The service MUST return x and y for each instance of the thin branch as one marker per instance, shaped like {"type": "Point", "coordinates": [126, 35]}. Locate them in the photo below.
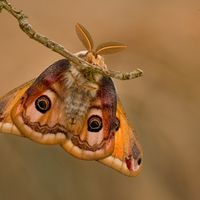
{"type": "Point", "coordinates": [27, 28]}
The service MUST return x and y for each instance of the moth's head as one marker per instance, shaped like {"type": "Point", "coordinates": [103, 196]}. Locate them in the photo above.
{"type": "Point", "coordinates": [94, 56]}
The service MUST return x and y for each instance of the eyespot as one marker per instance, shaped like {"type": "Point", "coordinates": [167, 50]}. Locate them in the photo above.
{"type": "Point", "coordinates": [139, 161]}
{"type": "Point", "coordinates": [43, 104]}
{"type": "Point", "coordinates": [117, 124]}
{"type": "Point", "coordinates": [95, 123]}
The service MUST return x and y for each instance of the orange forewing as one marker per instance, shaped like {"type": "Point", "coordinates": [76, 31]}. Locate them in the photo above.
{"type": "Point", "coordinates": [127, 155]}
{"type": "Point", "coordinates": [6, 104]}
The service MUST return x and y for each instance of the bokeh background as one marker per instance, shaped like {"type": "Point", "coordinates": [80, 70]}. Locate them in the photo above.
{"type": "Point", "coordinates": [163, 39]}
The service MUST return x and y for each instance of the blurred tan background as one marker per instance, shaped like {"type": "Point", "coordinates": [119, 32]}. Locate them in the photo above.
{"type": "Point", "coordinates": [163, 39]}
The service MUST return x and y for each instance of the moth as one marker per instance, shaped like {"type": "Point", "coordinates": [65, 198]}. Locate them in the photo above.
{"type": "Point", "coordinates": [83, 115]}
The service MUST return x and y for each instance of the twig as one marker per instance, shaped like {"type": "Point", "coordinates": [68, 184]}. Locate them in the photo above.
{"type": "Point", "coordinates": [27, 28]}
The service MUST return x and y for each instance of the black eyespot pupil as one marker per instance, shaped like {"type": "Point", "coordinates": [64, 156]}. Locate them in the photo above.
{"type": "Point", "coordinates": [139, 161]}
{"type": "Point", "coordinates": [117, 124]}
{"type": "Point", "coordinates": [95, 123]}
{"type": "Point", "coordinates": [43, 103]}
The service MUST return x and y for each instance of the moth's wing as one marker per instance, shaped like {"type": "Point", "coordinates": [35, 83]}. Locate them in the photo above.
{"type": "Point", "coordinates": [43, 114]}
{"type": "Point", "coordinates": [6, 105]}
{"type": "Point", "coordinates": [39, 112]}
{"type": "Point", "coordinates": [97, 136]}
{"type": "Point", "coordinates": [127, 157]}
